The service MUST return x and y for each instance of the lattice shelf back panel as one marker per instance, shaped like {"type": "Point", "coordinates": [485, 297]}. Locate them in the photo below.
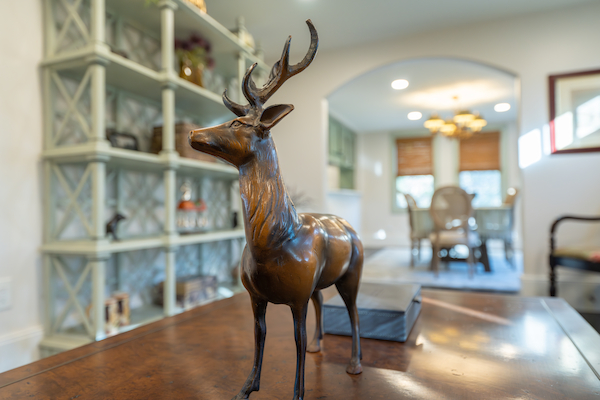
{"type": "Point", "coordinates": [71, 31]}
{"type": "Point", "coordinates": [210, 259]}
{"type": "Point", "coordinates": [133, 114]}
{"type": "Point", "coordinates": [70, 282]}
{"type": "Point", "coordinates": [137, 273]}
{"type": "Point", "coordinates": [71, 211]}
{"type": "Point", "coordinates": [71, 27]}
{"type": "Point", "coordinates": [71, 108]}
{"type": "Point", "coordinates": [128, 40]}
{"type": "Point", "coordinates": [71, 104]}
{"type": "Point", "coordinates": [139, 196]}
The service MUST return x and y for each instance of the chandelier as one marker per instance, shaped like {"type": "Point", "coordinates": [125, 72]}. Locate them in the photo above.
{"type": "Point", "coordinates": [462, 126]}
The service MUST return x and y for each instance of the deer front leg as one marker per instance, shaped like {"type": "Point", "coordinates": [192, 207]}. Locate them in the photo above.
{"type": "Point", "coordinates": [299, 314]}
{"type": "Point", "coordinates": [315, 345]}
{"type": "Point", "coordinates": [259, 306]}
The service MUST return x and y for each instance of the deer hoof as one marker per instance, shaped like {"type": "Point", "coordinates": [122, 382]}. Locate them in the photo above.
{"type": "Point", "coordinates": [354, 369]}
{"type": "Point", "coordinates": [314, 347]}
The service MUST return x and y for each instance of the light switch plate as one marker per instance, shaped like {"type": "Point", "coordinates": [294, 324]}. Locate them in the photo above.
{"type": "Point", "coordinates": [5, 294]}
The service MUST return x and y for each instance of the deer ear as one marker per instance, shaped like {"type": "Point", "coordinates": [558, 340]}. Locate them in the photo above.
{"type": "Point", "coordinates": [272, 115]}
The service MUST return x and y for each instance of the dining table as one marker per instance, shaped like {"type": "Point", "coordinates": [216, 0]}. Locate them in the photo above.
{"type": "Point", "coordinates": [489, 223]}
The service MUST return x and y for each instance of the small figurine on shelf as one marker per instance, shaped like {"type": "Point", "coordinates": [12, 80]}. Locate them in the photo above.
{"type": "Point", "coordinates": [111, 226]}
{"type": "Point", "coordinates": [111, 315]}
{"type": "Point", "coordinates": [186, 210]}
{"type": "Point", "coordinates": [194, 57]}
{"type": "Point", "coordinates": [191, 216]}
{"type": "Point", "coordinates": [123, 311]}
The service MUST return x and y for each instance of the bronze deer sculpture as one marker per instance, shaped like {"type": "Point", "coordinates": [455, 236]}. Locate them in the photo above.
{"type": "Point", "coordinates": [289, 257]}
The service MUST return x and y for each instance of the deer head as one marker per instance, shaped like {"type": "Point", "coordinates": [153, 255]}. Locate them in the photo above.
{"type": "Point", "coordinates": [236, 141]}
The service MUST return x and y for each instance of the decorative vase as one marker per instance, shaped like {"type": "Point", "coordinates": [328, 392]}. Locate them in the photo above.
{"type": "Point", "coordinates": [191, 69]}
{"type": "Point", "coordinates": [198, 73]}
{"type": "Point", "coordinates": [186, 67]}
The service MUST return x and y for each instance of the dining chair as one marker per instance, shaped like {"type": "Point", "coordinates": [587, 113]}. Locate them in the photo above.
{"type": "Point", "coordinates": [452, 215]}
{"type": "Point", "coordinates": [498, 223]}
{"type": "Point", "coordinates": [420, 229]}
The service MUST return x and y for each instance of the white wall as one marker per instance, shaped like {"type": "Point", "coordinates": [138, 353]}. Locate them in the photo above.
{"type": "Point", "coordinates": [530, 46]}
{"type": "Point", "coordinates": [20, 199]}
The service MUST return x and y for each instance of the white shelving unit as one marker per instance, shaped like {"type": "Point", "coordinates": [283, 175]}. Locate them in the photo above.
{"type": "Point", "coordinates": [88, 87]}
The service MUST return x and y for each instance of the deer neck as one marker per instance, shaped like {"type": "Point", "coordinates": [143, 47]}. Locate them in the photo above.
{"type": "Point", "coordinates": [270, 217]}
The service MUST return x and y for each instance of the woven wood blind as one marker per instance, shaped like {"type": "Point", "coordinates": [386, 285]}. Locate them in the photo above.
{"type": "Point", "coordinates": [414, 156]}
{"type": "Point", "coordinates": [481, 152]}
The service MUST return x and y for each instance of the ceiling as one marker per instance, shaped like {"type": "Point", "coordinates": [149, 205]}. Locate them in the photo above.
{"type": "Point", "coordinates": [369, 103]}
{"type": "Point", "coordinates": [344, 23]}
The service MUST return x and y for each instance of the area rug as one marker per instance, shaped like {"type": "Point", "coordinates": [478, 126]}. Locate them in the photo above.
{"type": "Point", "coordinates": [393, 265]}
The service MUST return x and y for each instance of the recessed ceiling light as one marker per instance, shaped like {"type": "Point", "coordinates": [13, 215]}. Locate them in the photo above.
{"type": "Point", "coordinates": [502, 107]}
{"type": "Point", "coordinates": [414, 115]}
{"type": "Point", "coordinates": [400, 84]}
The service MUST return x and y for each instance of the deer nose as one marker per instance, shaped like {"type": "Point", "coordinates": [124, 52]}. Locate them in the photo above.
{"type": "Point", "coordinates": [192, 137]}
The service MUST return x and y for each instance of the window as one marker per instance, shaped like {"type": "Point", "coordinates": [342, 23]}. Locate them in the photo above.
{"type": "Point", "coordinates": [486, 184]}
{"type": "Point", "coordinates": [414, 171]}
{"type": "Point", "coordinates": [480, 169]}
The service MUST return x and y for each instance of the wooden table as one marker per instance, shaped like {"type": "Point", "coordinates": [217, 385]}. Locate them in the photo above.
{"type": "Point", "coordinates": [463, 346]}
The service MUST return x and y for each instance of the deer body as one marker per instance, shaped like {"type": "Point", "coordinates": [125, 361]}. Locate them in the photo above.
{"type": "Point", "coordinates": [289, 257]}
{"type": "Point", "coordinates": [285, 247]}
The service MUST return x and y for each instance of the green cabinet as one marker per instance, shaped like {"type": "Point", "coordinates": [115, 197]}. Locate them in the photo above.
{"type": "Point", "coordinates": [341, 151]}
{"type": "Point", "coordinates": [335, 142]}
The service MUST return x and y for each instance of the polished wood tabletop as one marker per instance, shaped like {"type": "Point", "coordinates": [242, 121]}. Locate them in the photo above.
{"type": "Point", "coordinates": [463, 346]}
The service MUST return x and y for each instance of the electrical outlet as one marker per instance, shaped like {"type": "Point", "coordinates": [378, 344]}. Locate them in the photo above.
{"type": "Point", "coordinates": [5, 294]}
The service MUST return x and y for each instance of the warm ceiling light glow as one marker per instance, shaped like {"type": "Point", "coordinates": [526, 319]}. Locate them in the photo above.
{"type": "Point", "coordinates": [400, 84]}
{"type": "Point", "coordinates": [502, 107]}
{"type": "Point", "coordinates": [434, 123]}
{"type": "Point", "coordinates": [414, 115]}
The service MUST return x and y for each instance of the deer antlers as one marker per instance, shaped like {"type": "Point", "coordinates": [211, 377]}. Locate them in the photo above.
{"type": "Point", "coordinates": [280, 72]}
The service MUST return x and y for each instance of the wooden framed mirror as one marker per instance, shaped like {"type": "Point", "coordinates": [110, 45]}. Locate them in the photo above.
{"type": "Point", "coordinates": [575, 112]}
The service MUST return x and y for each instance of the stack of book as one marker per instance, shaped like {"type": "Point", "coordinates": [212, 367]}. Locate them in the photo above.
{"type": "Point", "coordinates": [386, 311]}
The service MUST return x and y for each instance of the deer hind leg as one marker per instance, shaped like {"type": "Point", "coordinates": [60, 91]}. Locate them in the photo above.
{"type": "Point", "coordinates": [315, 345]}
{"type": "Point", "coordinates": [252, 384]}
{"type": "Point", "coordinates": [348, 289]}
{"type": "Point", "coordinates": [299, 314]}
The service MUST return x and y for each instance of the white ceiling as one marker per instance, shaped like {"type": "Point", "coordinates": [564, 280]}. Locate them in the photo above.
{"type": "Point", "coordinates": [368, 103]}
{"type": "Point", "coordinates": [343, 23]}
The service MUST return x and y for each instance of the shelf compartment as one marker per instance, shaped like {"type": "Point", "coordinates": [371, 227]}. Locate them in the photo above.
{"type": "Point", "coordinates": [194, 99]}
{"type": "Point", "coordinates": [140, 316]}
{"type": "Point", "coordinates": [142, 81]}
{"type": "Point", "coordinates": [188, 19]}
{"type": "Point", "coordinates": [226, 45]}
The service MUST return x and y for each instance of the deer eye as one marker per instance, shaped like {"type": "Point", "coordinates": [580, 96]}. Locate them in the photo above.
{"type": "Point", "coordinates": [236, 124]}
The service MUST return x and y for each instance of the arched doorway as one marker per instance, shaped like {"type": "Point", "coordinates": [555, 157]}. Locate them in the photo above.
{"type": "Point", "coordinates": [382, 118]}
